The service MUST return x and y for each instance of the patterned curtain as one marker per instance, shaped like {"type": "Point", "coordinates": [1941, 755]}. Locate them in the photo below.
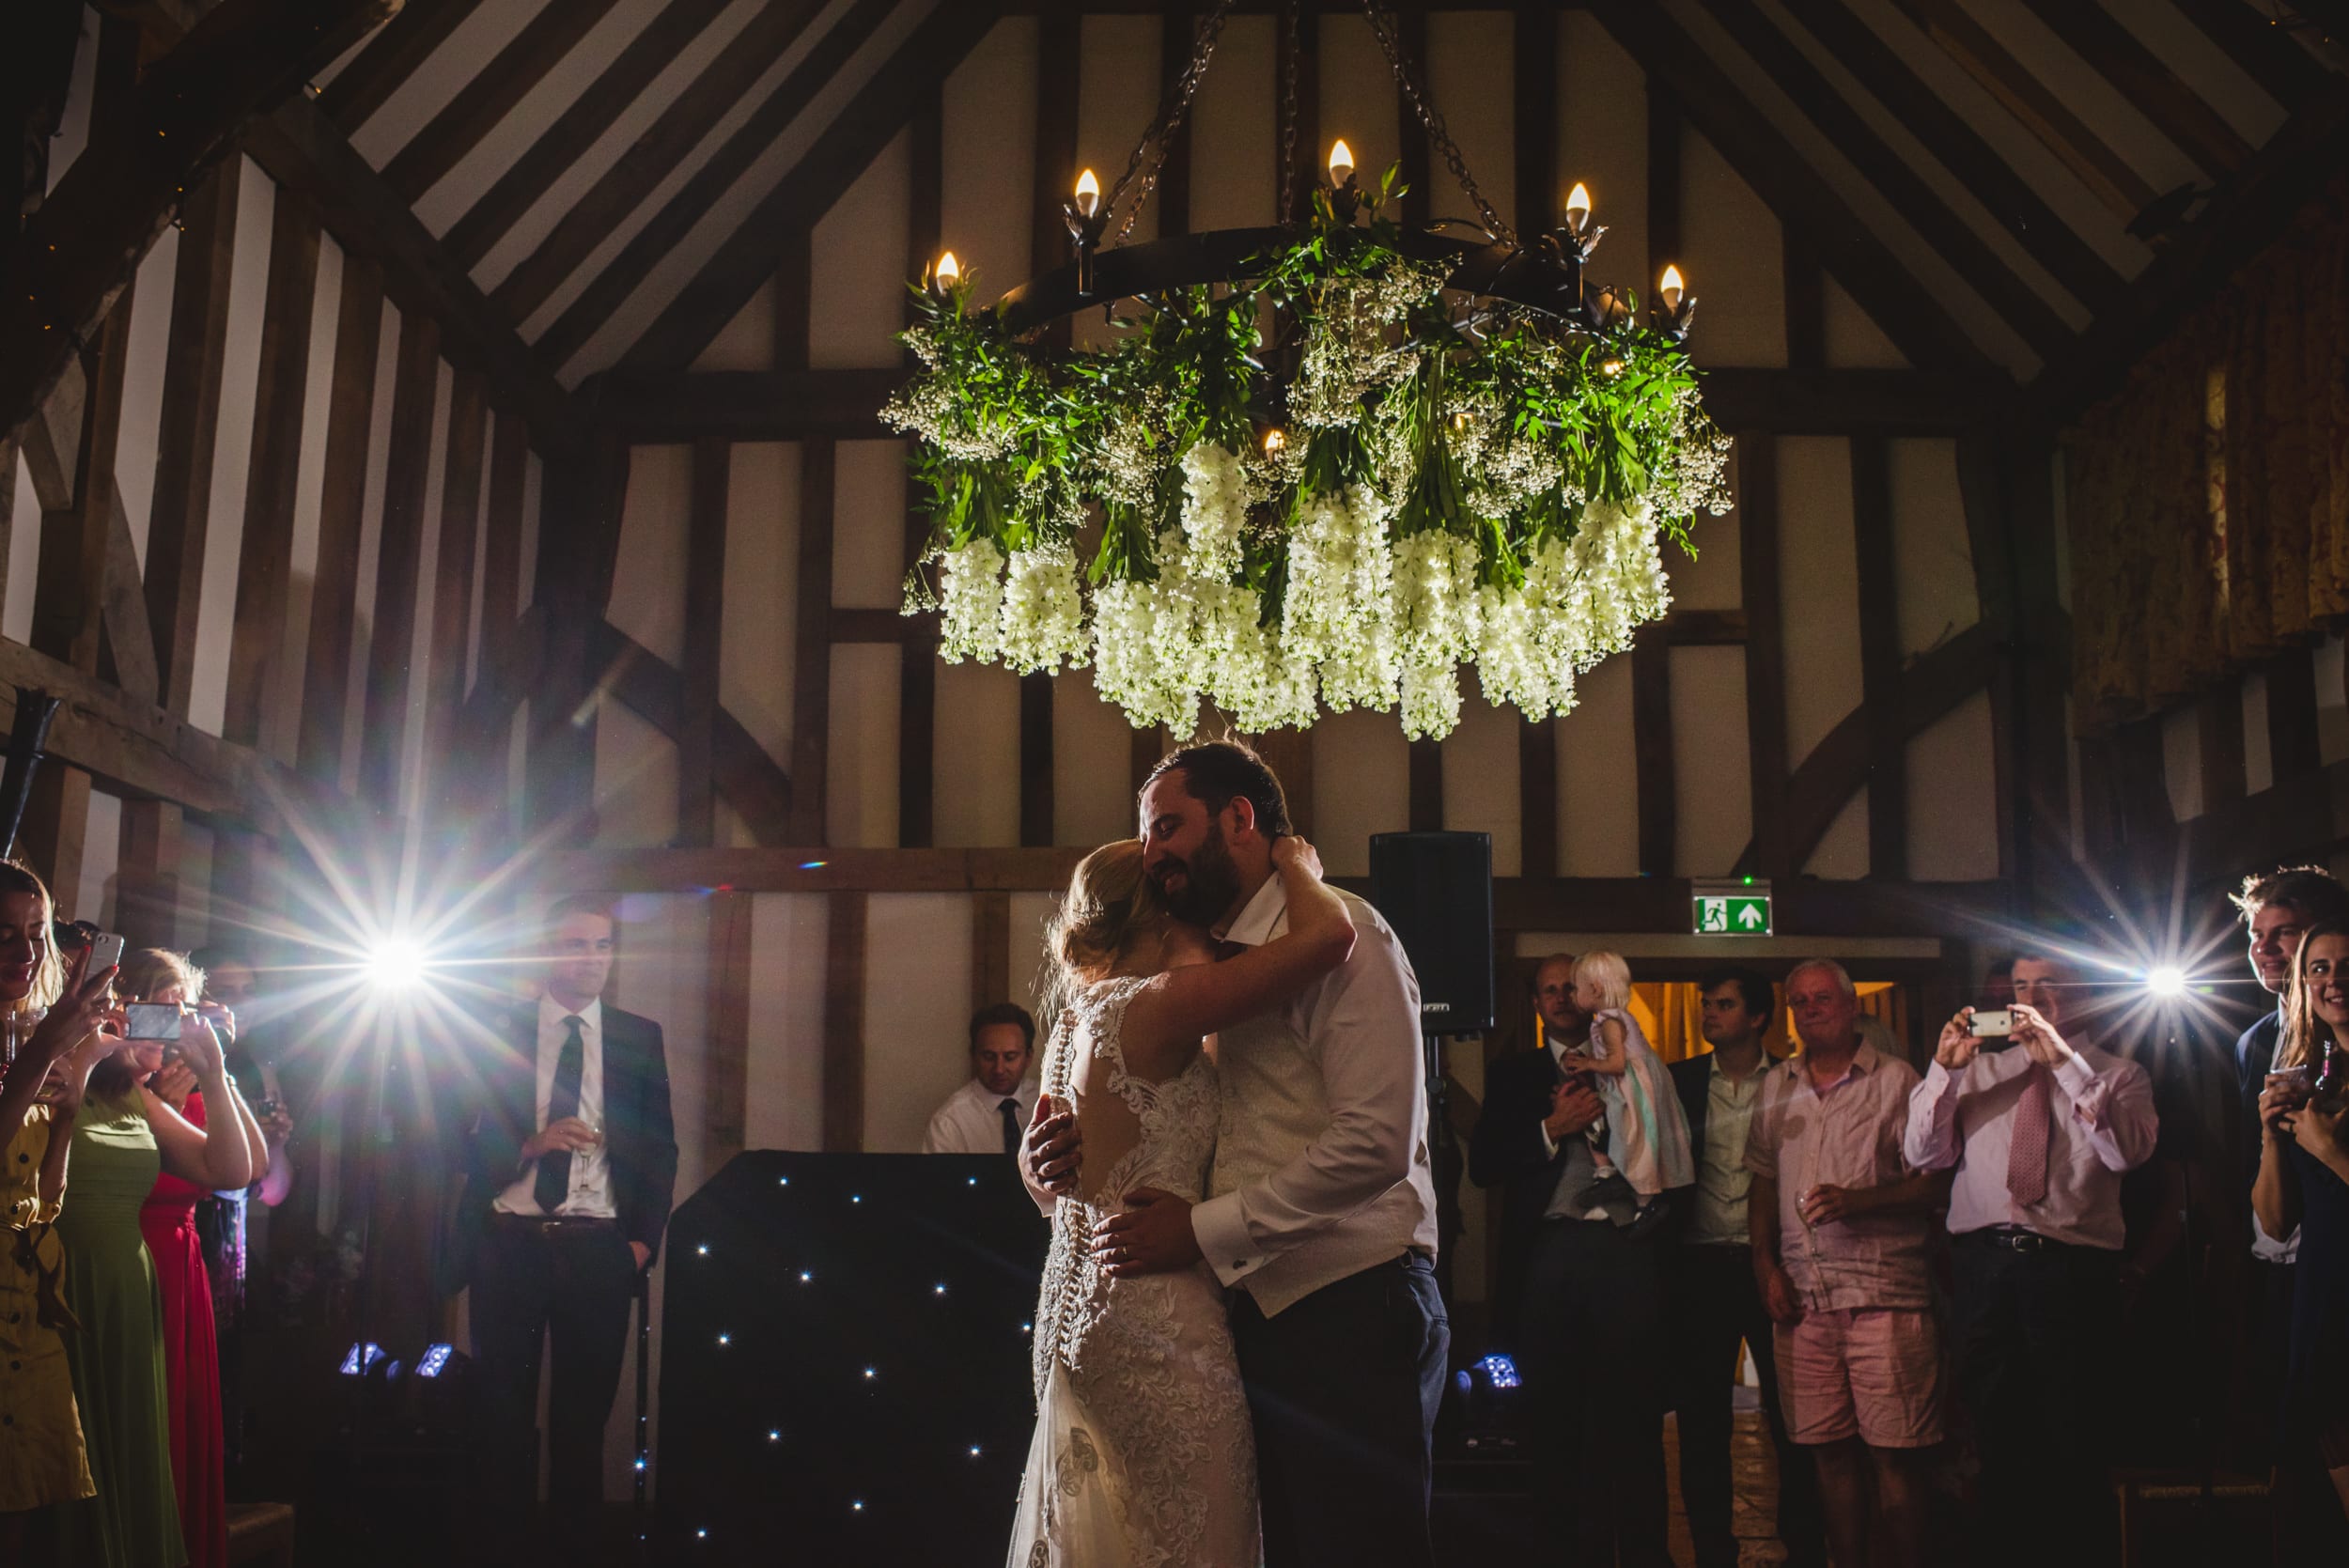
{"type": "Point", "coordinates": [2209, 497]}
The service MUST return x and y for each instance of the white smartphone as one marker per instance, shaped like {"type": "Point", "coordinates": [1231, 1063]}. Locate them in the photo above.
{"type": "Point", "coordinates": [105, 952]}
{"type": "Point", "coordinates": [1993, 1023]}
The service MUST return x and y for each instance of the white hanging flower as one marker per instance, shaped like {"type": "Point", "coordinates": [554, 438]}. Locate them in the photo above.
{"type": "Point", "coordinates": [972, 587]}
{"type": "Point", "coordinates": [1283, 697]}
{"type": "Point", "coordinates": [1510, 663]}
{"type": "Point", "coordinates": [1215, 509]}
{"type": "Point", "coordinates": [1431, 701]}
{"type": "Point", "coordinates": [1435, 598]}
{"type": "Point", "coordinates": [1338, 613]}
{"type": "Point", "coordinates": [1043, 616]}
{"type": "Point", "coordinates": [1125, 668]}
{"type": "Point", "coordinates": [1622, 570]}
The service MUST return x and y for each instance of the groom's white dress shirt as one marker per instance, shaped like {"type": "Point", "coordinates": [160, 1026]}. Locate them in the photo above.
{"type": "Point", "coordinates": [1321, 1166]}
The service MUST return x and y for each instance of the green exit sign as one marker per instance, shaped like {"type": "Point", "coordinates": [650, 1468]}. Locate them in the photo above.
{"type": "Point", "coordinates": [1733, 910]}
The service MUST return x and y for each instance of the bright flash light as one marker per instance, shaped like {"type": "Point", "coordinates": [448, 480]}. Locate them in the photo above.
{"type": "Point", "coordinates": [1341, 162]}
{"type": "Point", "coordinates": [2167, 980]}
{"type": "Point", "coordinates": [396, 964]}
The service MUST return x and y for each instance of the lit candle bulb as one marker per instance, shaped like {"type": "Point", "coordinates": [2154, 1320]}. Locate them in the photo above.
{"type": "Point", "coordinates": [1577, 207]}
{"type": "Point", "coordinates": [1341, 162]}
{"type": "Point", "coordinates": [1273, 441]}
{"type": "Point", "coordinates": [1671, 288]}
{"type": "Point", "coordinates": [948, 272]}
{"type": "Point", "coordinates": [1088, 194]}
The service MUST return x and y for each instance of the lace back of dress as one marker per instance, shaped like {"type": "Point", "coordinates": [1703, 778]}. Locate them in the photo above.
{"type": "Point", "coordinates": [1090, 1074]}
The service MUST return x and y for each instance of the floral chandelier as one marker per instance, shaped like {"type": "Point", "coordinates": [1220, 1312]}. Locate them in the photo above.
{"type": "Point", "coordinates": [1319, 465]}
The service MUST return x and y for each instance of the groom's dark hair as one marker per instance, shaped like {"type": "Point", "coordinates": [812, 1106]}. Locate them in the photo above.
{"type": "Point", "coordinates": [1217, 772]}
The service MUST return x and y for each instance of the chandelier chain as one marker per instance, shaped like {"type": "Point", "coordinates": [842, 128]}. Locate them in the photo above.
{"type": "Point", "coordinates": [1293, 29]}
{"type": "Point", "coordinates": [1432, 120]}
{"type": "Point", "coordinates": [1168, 121]}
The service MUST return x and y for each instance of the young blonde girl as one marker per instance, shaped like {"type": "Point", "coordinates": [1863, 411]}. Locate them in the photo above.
{"type": "Point", "coordinates": [1643, 1137]}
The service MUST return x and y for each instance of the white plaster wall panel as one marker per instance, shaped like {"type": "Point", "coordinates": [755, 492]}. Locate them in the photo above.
{"type": "Point", "coordinates": [2332, 718]}
{"type": "Point", "coordinates": [1933, 557]}
{"type": "Point", "coordinates": [756, 660]}
{"type": "Point", "coordinates": [917, 1012]}
{"type": "Point", "coordinates": [885, 262]}
{"type": "Point", "coordinates": [730, 832]}
{"type": "Point", "coordinates": [748, 341]}
{"type": "Point", "coordinates": [1357, 99]}
{"type": "Point", "coordinates": [636, 779]}
{"type": "Point", "coordinates": [1712, 765]}
{"type": "Point", "coordinates": [472, 45]}
{"type": "Point", "coordinates": [1598, 805]}
{"type": "Point", "coordinates": [1826, 163]}
{"type": "Point", "coordinates": [73, 120]}
{"type": "Point", "coordinates": [1030, 969]}
{"type": "Point", "coordinates": [1233, 178]}
{"type": "Point", "coordinates": [1732, 256]}
{"type": "Point", "coordinates": [333, 68]}
{"type": "Point", "coordinates": [2259, 760]}
{"type": "Point", "coordinates": [648, 582]}
{"type": "Point", "coordinates": [1480, 779]}
{"type": "Point", "coordinates": [412, 803]}
{"type": "Point", "coordinates": [1362, 786]}
{"type": "Point", "coordinates": [1954, 795]}
{"type": "Point", "coordinates": [1117, 92]}
{"type": "Point", "coordinates": [860, 748]}
{"type": "Point", "coordinates": [143, 387]}
{"type": "Point", "coordinates": [987, 206]}
{"type": "Point", "coordinates": [540, 107]}
{"type": "Point", "coordinates": [232, 447]}
{"type": "Point", "coordinates": [370, 545]}
{"type": "Point", "coordinates": [1853, 339]}
{"type": "Point", "coordinates": [1818, 573]}
{"type": "Point", "coordinates": [2182, 760]}
{"type": "Point", "coordinates": [16, 611]}
{"type": "Point", "coordinates": [858, 270]}
{"type": "Point", "coordinates": [289, 673]}
{"type": "Point", "coordinates": [597, 162]}
{"type": "Point", "coordinates": [101, 857]}
{"type": "Point", "coordinates": [783, 1105]}
{"type": "Point", "coordinates": [1467, 75]}
{"type": "Point", "coordinates": [868, 549]}
{"type": "Point", "coordinates": [193, 925]}
{"type": "Point", "coordinates": [1602, 142]}
{"type": "Point", "coordinates": [1714, 577]}
{"type": "Point", "coordinates": [1843, 852]}
{"type": "Point", "coordinates": [1093, 796]}
{"type": "Point", "coordinates": [974, 757]}
{"type": "Point", "coordinates": [2170, 34]}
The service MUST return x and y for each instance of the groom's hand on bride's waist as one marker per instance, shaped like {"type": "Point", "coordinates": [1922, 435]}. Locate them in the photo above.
{"type": "Point", "coordinates": [1053, 1147]}
{"type": "Point", "coordinates": [1152, 1234]}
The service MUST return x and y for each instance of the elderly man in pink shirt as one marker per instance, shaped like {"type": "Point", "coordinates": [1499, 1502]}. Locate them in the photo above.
{"type": "Point", "coordinates": [2041, 1133]}
{"type": "Point", "coordinates": [1839, 1227]}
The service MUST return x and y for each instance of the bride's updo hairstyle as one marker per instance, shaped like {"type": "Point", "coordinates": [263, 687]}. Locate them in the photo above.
{"type": "Point", "coordinates": [1111, 901]}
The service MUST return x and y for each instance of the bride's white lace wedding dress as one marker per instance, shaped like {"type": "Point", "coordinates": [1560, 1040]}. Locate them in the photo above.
{"type": "Point", "coordinates": [1143, 1455]}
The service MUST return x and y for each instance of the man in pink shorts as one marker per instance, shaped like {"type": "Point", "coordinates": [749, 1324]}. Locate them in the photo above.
{"type": "Point", "coordinates": [1840, 1231]}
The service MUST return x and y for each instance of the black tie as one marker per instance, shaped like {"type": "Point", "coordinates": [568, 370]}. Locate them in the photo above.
{"type": "Point", "coordinates": [571, 1065]}
{"type": "Point", "coordinates": [1009, 1109]}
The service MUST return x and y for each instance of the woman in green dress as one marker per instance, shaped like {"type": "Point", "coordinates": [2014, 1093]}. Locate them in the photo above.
{"type": "Point", "coordinates": [122, 1138]}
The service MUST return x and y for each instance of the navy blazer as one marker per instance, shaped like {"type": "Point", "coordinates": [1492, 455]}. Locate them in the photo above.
{"type": "Point", "coordinates": [637, 1127]}
{"type": "Point", "coordinates": [1509, 1151]}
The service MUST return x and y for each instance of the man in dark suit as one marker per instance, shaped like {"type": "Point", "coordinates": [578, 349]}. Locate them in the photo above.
{"type": "Point", "coordinates": [1512, 1146]}
{"type": "Point", "coordinates": [570, 1167]}
{"type": "Point", "coordinates": [1715, 1302]}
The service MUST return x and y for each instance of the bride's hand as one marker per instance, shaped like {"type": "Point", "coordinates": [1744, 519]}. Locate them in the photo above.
{"type": "Point", "coordinates": [1290, 850]}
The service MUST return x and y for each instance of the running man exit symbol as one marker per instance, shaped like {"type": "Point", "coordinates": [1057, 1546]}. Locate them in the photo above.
{"type": "Point", "coordinates": [1738, 914]}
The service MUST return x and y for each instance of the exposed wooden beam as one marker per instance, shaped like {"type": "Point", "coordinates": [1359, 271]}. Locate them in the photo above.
{"type": "Point", "coordinates": [1533, 114]}
{"type": "Point", "coordinates": [762, 405]}
{"type": "Point", "coordinates": [654, 691]}
{"type": "Point", "coordinates": [2041, 110]}
{"type": "Point", "coordinates": [502, 542]}
{"type": "Point", "coordinates": [582, 508]}
{"type": "Point", "coordinates": [1954, 143]}
{"type": "Point", "coordinates": [1177, 34]}
{"type": "Point", "coordinates": [257, 650]}
{"type": "Point", "coordinates": [488, 95]}
{"type": "Point", "coordinates": [128, 644]}
{"type": "Point", "coordinates": [390, 58]}
{"type": "Point", "coordinates": [1878, 614]}
{"type": "Point", "coordinates": [2174, 109]}
{"type": "Point", "coordinates": [1653, 762]}
{"type": "Point", "coordinates": [446, 785]}
{"type": "Point", "coordinates": [1413, 154]}
{"type": "Point", "coordinates": [844, 1023]}
{"type": "Point", "coordinates": [2218, 726]}
{"type": "Point", "coordinates": [1781, 177]}
{"type": "Point", "coordinates": [1304, 63]}
{"type": "Point", "coordinates": [81, 248]}
{"type": "Point", "coordinates": [865, 125]}
{"type": "Point", "coordinates": [1537, 797]}
{"type": "Point", "coordinates": [69, 594]}
{"type": "Point", "coordinates": [342, 504]}
{"type": "Point", "coordinates": [917, 666]}
{"type": "Point", "coordinates": [810, 664]}
{"type": "Point", "coordinates": [667, 228]}
{"type": "Point", "coordinates": [2020, 306]}
{"type": "Point", "coordinates": [1806, 301]}
{"type": "Point", "coordinates": [1426, 786]}
{"type": "Point", "coordinates": [727, 1099]}
{"type": "Point", "coordinates": [653, 156]}
{"type": "Point", "coordinates": [2291, 704]}
{"type": "Point", "coordinates": [521, 182]}
{"type": "Point", "coordinates": [399, 554]}
{"type": "Point", "coordinates": [991, 980]}
{"type": "Point", "coordinates": [1052, 162]}
{"type": "Point", "coordinates": [1765, 667]}
{"type": "Point", "coordinates": [151, 843]}
{"type": "Point", "coordinates": [704, 641]}
{"type": "Point", "coordinates": [2261, 49]}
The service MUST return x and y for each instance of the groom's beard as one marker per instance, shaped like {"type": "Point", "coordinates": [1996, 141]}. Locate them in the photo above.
{"type": "Point", "coordinates": [1210, 882]}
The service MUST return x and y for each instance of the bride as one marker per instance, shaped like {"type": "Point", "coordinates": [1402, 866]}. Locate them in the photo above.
{"type": "Point", "coordinates": [1143, 1455]}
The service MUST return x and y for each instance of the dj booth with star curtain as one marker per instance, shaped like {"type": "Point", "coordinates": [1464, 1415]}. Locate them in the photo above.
{"type": "Point", "coordinates": [845, 1362]}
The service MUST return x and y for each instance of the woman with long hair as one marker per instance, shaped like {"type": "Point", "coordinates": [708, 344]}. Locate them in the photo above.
{"type": "Point", "coordinates": [42, 1462]}
{"type": "Point", "coordinates": [2304, 1182]}
{"type": "Point", "coordinates": [126, 1136]}
{"type": "Point", "coordinates": [1144, 1453]}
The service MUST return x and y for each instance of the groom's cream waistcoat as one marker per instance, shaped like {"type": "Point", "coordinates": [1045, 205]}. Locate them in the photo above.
{"type": "Point", "coordinates": [1321, 1163]}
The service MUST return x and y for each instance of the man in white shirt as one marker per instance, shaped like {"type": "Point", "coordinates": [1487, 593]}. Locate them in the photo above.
{"type": "Point", "coordinates": [1321, 1214]}
{"type": "Point", "coordinates": [987, 1114]}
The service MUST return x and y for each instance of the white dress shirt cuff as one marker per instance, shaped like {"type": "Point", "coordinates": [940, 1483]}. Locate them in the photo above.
{"type": "Point", "coordinates": [2268, 1249]}
{"type": "Point", "coordinates": [2082, 1087]}
{"type": "Point", "coordinates": [1221, 1231]}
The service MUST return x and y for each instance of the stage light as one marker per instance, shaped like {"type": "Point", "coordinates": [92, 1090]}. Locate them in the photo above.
{"type": "Point", "coordinates": [2167, 980]}
{"type": "Point", "coordinates": [395, 963]}
{"type": "Point", "coordinates": [359, 1357]}
{"type": "Point", "coordinates": [435, 1358]}
{"type": "Point", "coordinates": [1500, 1370]}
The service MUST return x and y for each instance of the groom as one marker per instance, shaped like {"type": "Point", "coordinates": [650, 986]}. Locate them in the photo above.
{"type": "Point", "coordinates": [1321, 1215]}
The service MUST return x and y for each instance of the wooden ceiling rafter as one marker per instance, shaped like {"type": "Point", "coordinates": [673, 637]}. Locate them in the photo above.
{"type": "Point", "coordinates": [390, 58]}
{"type": "Point", "coordinates": [878, 111]}
{"type": "Point", "coordinates": [2261, 50]}
{"type": "Point", "coordinates": [490, 94]}
{"type": "Point", "coordinates": [2151, 87]}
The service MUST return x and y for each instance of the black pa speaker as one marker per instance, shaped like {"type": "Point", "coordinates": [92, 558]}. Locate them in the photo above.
{"type": "Point", "coordinates": [1436, 891]}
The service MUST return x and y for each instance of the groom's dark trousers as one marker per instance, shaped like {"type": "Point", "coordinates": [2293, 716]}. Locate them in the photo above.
{"type": "Point", "coordinates": [1343, 1387]}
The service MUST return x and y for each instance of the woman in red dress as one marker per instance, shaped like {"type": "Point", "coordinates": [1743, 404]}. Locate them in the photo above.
{"type": "Point", "coordinates": [191, 1351]}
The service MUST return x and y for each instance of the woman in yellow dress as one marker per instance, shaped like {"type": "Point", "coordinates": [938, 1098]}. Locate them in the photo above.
{"type": "Point", "coordinates": [42, 1461]}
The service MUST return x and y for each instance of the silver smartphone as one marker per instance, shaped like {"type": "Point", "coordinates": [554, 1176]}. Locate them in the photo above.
{"type": "Point", "coordinates": [105, 952]}
{"type": "Point", "coordinates": [1993, 1023]}
{"type": "Point", "coordinates": [151, 1020]}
